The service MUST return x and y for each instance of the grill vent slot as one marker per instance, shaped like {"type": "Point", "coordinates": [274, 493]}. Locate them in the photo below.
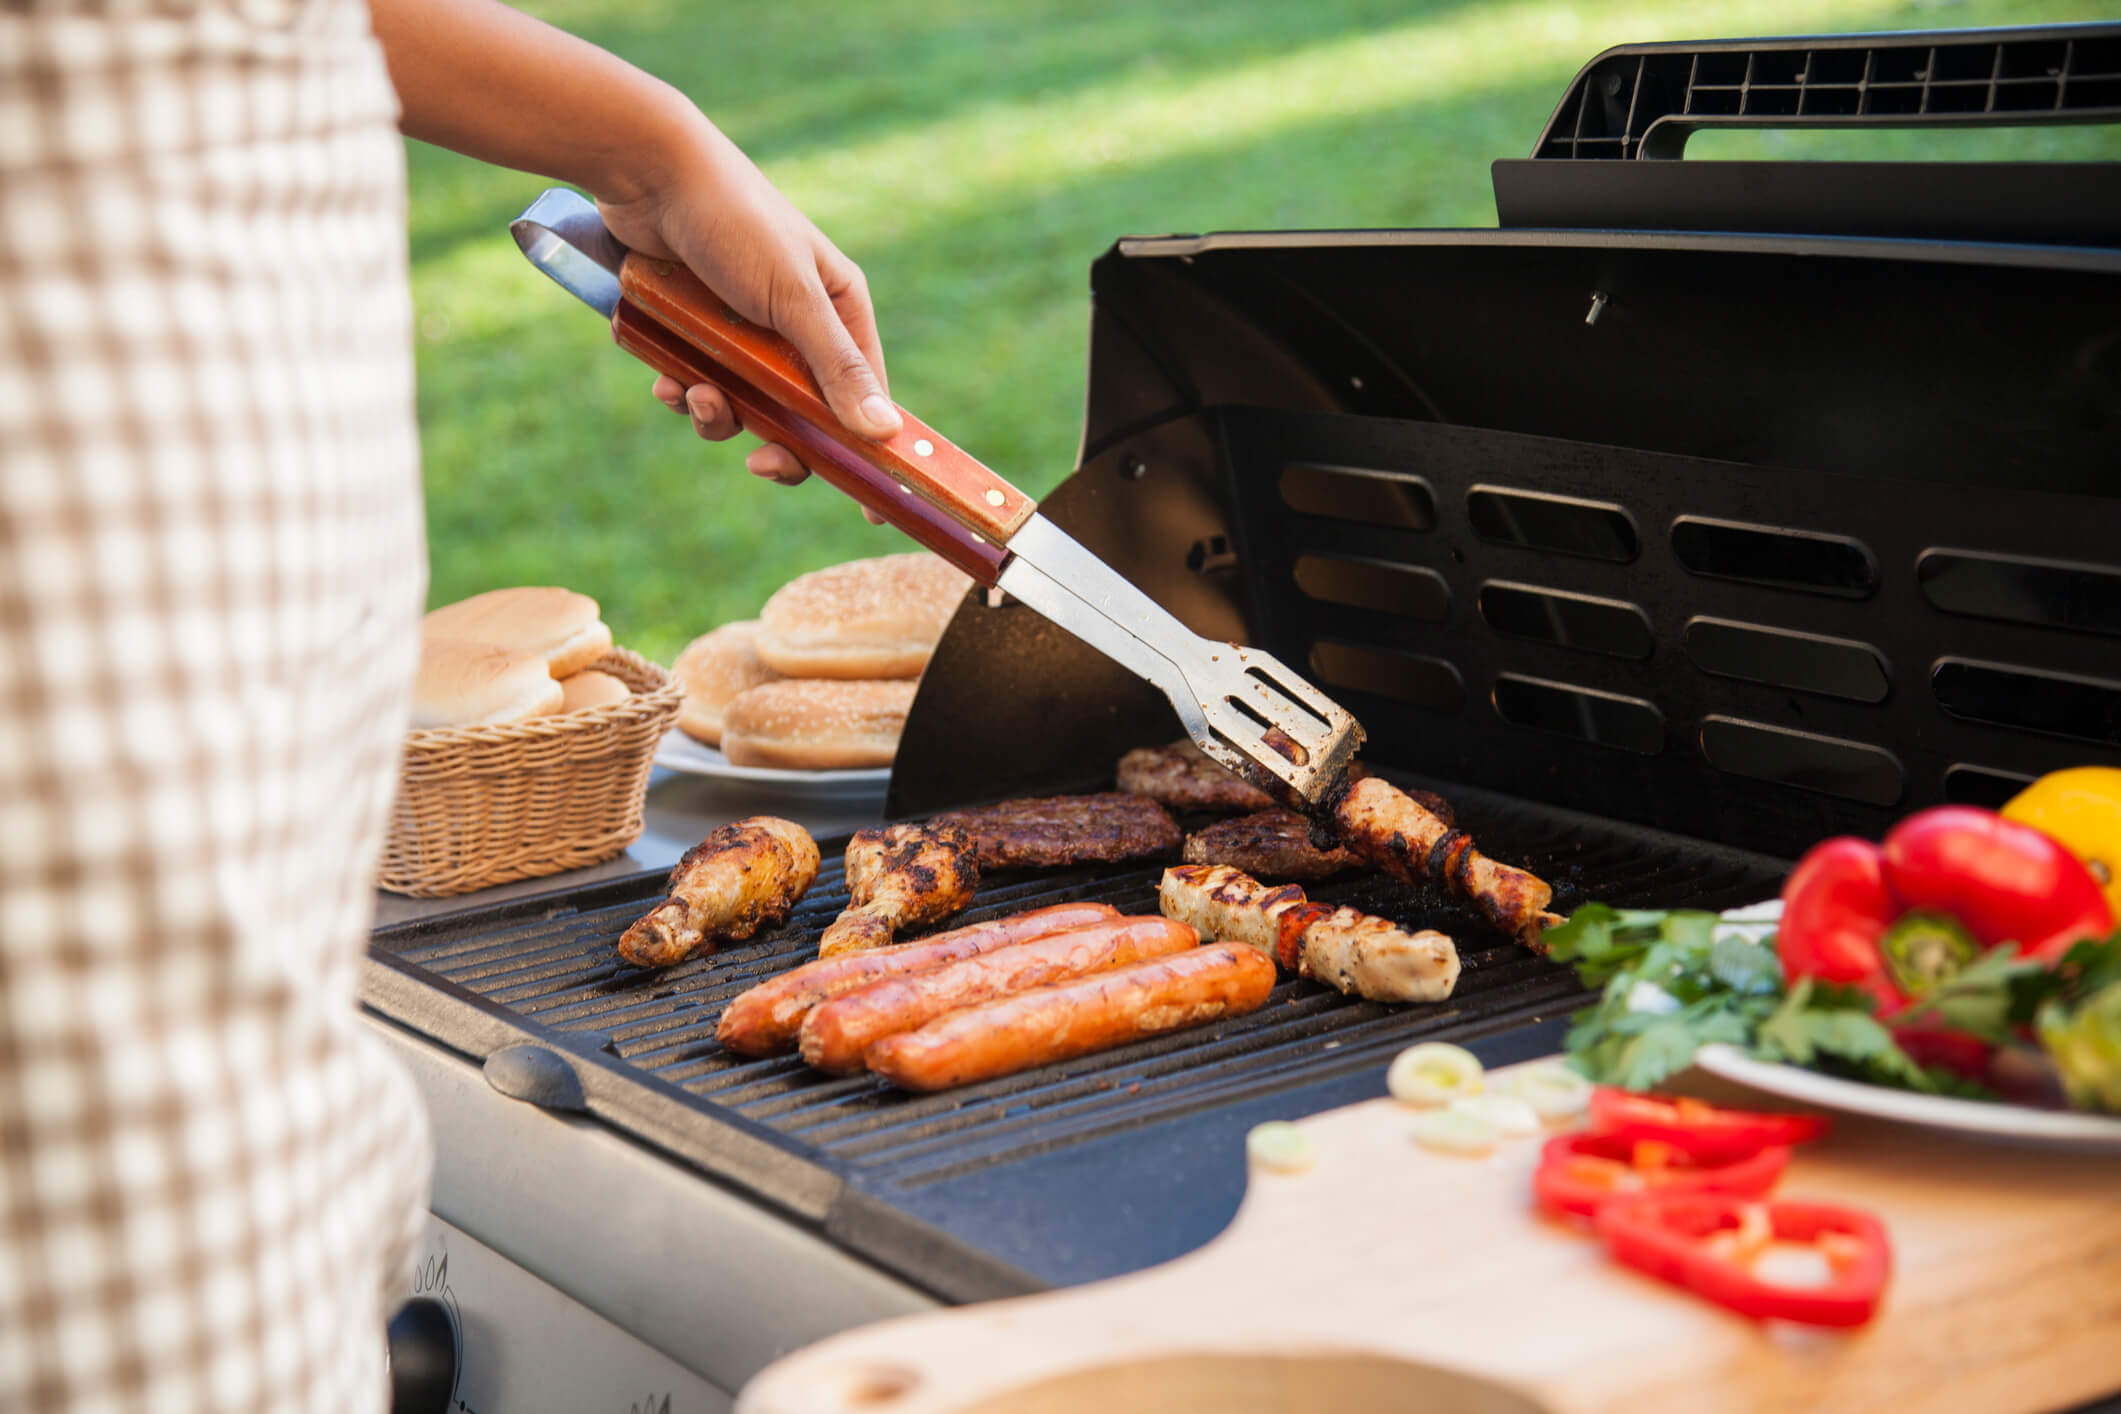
{"type": "Point", "coordinates": [1779, 558]}
{"type": "Point", "coordinates": [1808, 662]}
{"type": "Point", "coordinates": [1978, 785]}
{"type": "Point", "coordinates": [1408, 591]}
{"type": "Point", "coordinates": [1403, 677]}
{"type": "Point", "coordinates": [1533, 520]}
{"type": "Point", "coordinates": [1803, 759]}
{"type": "Point", "coordinates": [1613, 627]}
{"type": "Point", "coordinates": [2048, 593]}
{"type": "Point", "coordinates": [1602, 718]}
{"type": "Point", "coordinates": [1387, 498]}
{"type": "Point", "coordinates": [2086, 709]}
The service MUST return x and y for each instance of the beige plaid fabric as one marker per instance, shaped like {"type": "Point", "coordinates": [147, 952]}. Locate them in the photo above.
{"type": "Point", "coordinates": [211, 570]}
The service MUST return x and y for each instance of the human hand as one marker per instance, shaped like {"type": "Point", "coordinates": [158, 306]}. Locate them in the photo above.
{"type": "Point", "coordinates": [716, 212]}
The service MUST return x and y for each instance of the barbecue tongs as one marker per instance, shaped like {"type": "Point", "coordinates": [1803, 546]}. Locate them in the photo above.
{"type": "Point", "coordinates": [1244, 708]}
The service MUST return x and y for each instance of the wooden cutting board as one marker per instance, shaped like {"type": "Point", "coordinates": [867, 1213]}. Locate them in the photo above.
{"type": "Point", "coordinates": [1388, 1277]}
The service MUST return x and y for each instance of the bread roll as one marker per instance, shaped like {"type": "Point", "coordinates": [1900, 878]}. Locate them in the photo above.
{"type": "Point", "coordinates": [714, 668]}
{"type": "Point", "coordinates": [590, 688]}
{"type": "Point", "coordinates": [465, 684]}
{"type": "Point", "coordinates": [558, 625]}
{"type": "Point", "coordinates": [875, 618]}
{"type": "Point", "coordinates": [816, 724]}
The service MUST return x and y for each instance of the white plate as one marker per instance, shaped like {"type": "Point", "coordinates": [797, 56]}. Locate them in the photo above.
{"type": "Point", "coordinates": [681, 753]}
{"type": "Point", "coordinates": [1980, 1119]}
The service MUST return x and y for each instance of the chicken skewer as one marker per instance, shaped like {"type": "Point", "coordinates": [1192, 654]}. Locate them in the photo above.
{"type": "Point", "coordinates": [743, 877]}
{"type": "Point", "coordinates": [1352, 952]}
{"type": "Point", "coordinates": [901, 876]}
{"type": "Point", "coordinates": [1399, 835]}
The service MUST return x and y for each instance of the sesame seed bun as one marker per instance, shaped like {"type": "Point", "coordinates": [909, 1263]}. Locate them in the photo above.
{"type": "Point", "coordinates": [877, 618]}
{"type": "Point", "coordinates": [713, 669]}
{"type": "Point", "coordinates": [817, 724]}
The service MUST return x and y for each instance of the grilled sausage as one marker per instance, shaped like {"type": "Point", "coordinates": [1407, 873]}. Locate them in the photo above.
{"type": "Point", "coordinates": [1093, 1013]}
{"type": "Point", "coordinates": [837, 1032]}
{"type": "Point", "coordinates": [765, 1020]}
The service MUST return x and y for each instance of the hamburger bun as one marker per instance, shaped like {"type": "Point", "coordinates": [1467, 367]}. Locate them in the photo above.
{"type": "Point", "coordinates": [714, 668]}
{"type": "Point", "coordinates": [875, 618]}
{"type": "Point", "coordinates": [590, 688]}
{"type": "Point", "coordinates": [558, 625]}
{"type": "Point", "coordinates": [817, 724]}
{"type": "Point", "coordinates": [463, 684]}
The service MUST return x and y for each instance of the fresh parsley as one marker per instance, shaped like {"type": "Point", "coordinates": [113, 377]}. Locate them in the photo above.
{"type": "Point", "coordinates": [1672, 982]}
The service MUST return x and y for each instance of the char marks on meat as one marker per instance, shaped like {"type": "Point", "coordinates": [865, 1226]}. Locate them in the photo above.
{"type": "Point", "coordinates": [1048, 831]}
{"type": "Point", "coordinates": [1391, 830]}
{"type": "Point", "coordinates": [1270, 844]}
{"type": "Point", "coordinates": [901, 876]}
{"type": "Point", "coordinates": [743, 877]}
{"type": "Point", "coordinates": [1184, 777]}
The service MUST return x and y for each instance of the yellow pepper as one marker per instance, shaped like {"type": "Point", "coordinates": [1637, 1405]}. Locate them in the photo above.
{"type": "Point", "coordinates": [2080, 808]}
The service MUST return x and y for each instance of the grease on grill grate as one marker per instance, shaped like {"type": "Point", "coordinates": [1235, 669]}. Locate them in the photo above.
{"type": "Point", "coordinates": [562, 973]}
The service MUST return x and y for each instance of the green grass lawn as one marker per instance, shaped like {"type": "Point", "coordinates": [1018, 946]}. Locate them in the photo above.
{"type": "Point", "coordinates": [975, 158]}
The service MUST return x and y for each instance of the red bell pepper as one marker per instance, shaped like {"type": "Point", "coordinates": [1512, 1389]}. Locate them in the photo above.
{"type": "Point", "coordinates": [1679, 1238]}
{"type": "Point", "coordinates": [1703, 1132]}
{"type": "Point", "coordinates": [1578, 1173]}
{"type": "Point", "coordinates": [2006, 882]}
{"type": "Point", "coordinates": [1949, 884]}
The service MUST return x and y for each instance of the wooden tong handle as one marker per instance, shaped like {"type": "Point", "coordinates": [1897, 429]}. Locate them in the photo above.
{"type": "Point", "coordinates": [915, 479]}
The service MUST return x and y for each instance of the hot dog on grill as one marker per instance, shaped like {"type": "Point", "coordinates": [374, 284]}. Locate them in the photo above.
{"type": "Point", "coordinates": [1094, 1013]}
{"type": "Point", "coordinates": [765, 1020]}
{"type": "Point", "coordinates": [837, 1032]}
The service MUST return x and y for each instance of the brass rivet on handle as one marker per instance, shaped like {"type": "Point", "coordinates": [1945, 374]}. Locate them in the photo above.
{"type": "Point", "coordinates": [994, 498]}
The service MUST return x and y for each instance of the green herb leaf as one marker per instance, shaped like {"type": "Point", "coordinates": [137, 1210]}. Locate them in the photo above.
{"type": "Point", "coordinates": [1749, 969]}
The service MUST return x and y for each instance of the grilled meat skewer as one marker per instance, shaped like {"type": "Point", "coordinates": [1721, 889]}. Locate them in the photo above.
{"type": "Point", "coordinates": [743, 877]}
{"type": "Point", "coordinates": [1399, 835]}
{"type": "Point", "coordinates": [901, 876]}
{"type": "Point", "coordinates": [1352, 952]}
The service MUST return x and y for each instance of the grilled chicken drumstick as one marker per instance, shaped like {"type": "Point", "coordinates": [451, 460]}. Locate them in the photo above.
{"type": "Point", "coordinates": [1353, 953]}
{"type": "Point", "coordinates": [741, 878]}
{"type": "Point", "coordinates": [1406, 840]}
{"type": "Point", "coordinates": [901, 876]}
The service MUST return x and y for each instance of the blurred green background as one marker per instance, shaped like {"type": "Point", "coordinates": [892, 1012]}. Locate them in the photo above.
{"type": "Point", "coordinates": [974, 158]}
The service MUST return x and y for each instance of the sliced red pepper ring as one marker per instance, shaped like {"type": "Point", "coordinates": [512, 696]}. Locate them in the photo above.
{"type": "Point", "coordinates": [1695, 1128]}
{"type": "Point", "coordinates": [1578, 1173]}
{"type": "Point", "coordinates": [1673, 1236]}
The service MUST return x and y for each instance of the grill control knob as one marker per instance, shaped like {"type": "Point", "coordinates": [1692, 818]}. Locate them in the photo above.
{"type": "Point", "coordinates": [423, 1357]}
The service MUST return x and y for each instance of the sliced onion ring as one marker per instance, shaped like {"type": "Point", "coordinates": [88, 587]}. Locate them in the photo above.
{"type": "Point", "coordinates": [1456, 1131]}
{"type": "Point", "coordinates": [1434, 1073]}
{"type": "Point", "coordinates": [1556, 1090]}
{"type": "Point", "coordinates": [1512, 1117]}
{"type": "Point", "coordinates": [1280, 1147]}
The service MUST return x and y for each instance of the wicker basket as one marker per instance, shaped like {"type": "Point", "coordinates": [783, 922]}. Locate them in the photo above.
{"type": "Point", "coordinates": [486, 805]}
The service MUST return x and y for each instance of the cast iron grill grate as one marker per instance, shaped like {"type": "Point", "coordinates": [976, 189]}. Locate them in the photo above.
{"type": "Point", "coordinates": [549, 967]}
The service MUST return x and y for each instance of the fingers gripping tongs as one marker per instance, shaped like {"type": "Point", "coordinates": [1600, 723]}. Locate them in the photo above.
{"type": "Point", "coordinates": [1243, 707]}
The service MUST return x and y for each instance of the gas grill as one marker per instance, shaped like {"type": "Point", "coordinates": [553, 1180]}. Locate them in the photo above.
{"type": "Point", "coordinates": [1661, 553]}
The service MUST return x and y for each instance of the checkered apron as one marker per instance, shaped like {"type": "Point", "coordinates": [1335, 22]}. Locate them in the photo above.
{"type": "Point", "coordinates": [211, 571]}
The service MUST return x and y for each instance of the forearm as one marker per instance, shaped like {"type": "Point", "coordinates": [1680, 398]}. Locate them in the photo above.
{"type": "Point", "coordinates": [489, 81]}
